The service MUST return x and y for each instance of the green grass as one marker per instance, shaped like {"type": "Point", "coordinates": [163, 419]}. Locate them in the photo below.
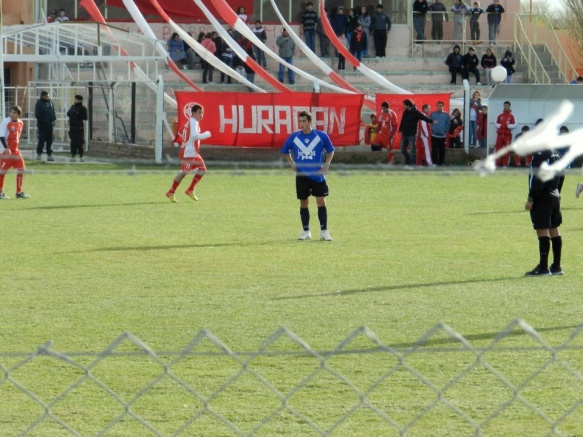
{"type": "Point", "coordinates": [92, 255]}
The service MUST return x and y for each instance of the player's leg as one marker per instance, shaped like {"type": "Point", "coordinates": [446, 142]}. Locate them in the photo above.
{"type": "Point", "coordinates": [320, 190]}
{"type": "Point", "coordinates": [540, 216]}
{"type": "Point", "coordinates": [303, 195]}
{"type": "Point", "coordinates": [556, 239]}
{"type": "Point", "coordinates": [184, 169]}
{"type": "Point", "coordinates": [199, 173]}
{"type": "Point", "coordinates": [2, 176]}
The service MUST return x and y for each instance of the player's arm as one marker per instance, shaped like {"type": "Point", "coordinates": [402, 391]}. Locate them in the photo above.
{"type": "Point", "coordinates": [3, 141]}
{"type": "Point", "coordinates": [3, 132]}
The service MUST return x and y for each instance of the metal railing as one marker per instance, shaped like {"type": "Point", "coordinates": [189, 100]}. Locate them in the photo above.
{"type": "Point", "coordinates": [517, 383]}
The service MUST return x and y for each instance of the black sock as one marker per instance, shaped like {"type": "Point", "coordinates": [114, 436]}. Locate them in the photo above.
{"type": "Point", "coordinates": [323, 217]}
{"type": "Point", "coordinates": [305, 216]}
{"type": "Point", "coordinates": [557, 243]}
{"type": "Point", "coordinates": [544, 245]}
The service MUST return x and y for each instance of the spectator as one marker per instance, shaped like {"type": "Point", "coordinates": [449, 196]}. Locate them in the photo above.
{"type": "Point", "coordinates": [351, 23]}
{"type": "Point", "coordinates": [470, 64]}
{"type": "Point", "coordinates": [482, 133]}
{"type": "Point", "coordinates": [341, 58]}
{"type": "Point", "coordinates": [577, 81]}
{"type": "Point", "coordinates": [77, 117]}
{"type": "Point", "coordinates": [287, 48]}
{"type": "Point", "coordinates": [475, 107]}
{"type": "Point", "coordinates": [488, 62]}
{"type": "Point", "coordinates": [524, 130]}
{"type": "Point", "coordinates": [380, 26]}
{"type": "Point", "coordinates": [456, 125]}
{"type": "Point", "coordinates": [190, 54]}
{"type": "Point", "coordinates": [207, 68]}
{"type": "Point", "coordinates": [249, 72]}
{"type": "Point", "coordinates": [494, 11]}
{"type": "Point", "coordinates": [454, 63]}
{"type": "Point", "coordinates": [323, 38]}
{"type": "Point", "coordinates": [420, 8]}
{"type": "Point", "coordinates": [358, 42]}
{"type": "Point", "coordinates": [52, 16]}
{"type": "Point", "coordinates": [260, 33]}
{"type": "Point", "coordinates": [563, 150]}
{"type": "Point", "coordinates": [62, 16]}
{"type": "Point", "coordinates": [176, 50]}
{"type": "Point", "coordinates": [459, 9]}
{"type": "Point", "coordinates": [475, 13]}
{"type": "Point", "coordinates": [228, 57]}
{"type": "Point", "coordinates": [242, 15]}
{"type": "Point", "coordinates": [364, 19]}
{"type": "Point", "coordinates": [338, 21]}
{"type": "Point", "coordinates": [44, 112]}
{"type": "Point", "coordinates": [408, 129]}
{"type": "Point", "coordinates": [439, 130]}
{"type": "Point", "coordinates": [508, 63]}
{"type": "Point", "coordinates": [437, 9]}
{"type": "Point", "coordinates": [309, 20]}
{"type": "Point", "coordinates": [505, 123]}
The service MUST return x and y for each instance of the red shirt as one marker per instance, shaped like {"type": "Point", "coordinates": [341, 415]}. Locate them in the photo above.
{"type": "Point", "coordinates": [11, 131]}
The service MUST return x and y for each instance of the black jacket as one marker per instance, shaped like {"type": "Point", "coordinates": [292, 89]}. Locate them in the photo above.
{"type": "Point", "coordinates": [408, 126]}
{"type": "Point", "coordinates": [44, 111]}
{"type": "Point", "coordinates": [77, 115]}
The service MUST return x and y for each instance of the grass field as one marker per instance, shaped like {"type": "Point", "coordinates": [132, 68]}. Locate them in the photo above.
{"type": "Point", "coordinates": [94, 253]}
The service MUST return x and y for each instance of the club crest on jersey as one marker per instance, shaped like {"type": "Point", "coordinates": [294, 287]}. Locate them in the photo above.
{"type": "Point", "coordinates": [306, 152]}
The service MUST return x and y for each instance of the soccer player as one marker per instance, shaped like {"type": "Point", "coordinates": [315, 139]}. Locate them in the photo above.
{"type": "Point", "coordinates": [309, 153]}
{"type": "Point", "coordinates": [544, 204]}
{"type": "Point", "coordinates": [10, 131]}
{"type": "Point", "coordinates": [388, 124]}
{"type": "Point", "coordinates": [191, 161]}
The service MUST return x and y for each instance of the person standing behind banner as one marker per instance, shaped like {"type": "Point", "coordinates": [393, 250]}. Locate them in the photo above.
{"type": "Point", "coordinates": [505, 123]}
{"type": "Point", "coordinates": [364, 19]}
{"type": "Point", "coordinates": [437, 9]}
{"type": "Point", "coordinates": [323, 38]}
{"type": "Point", "coordinates": [287, 48]}
{"type": "Point", "coordinates": [494, 12]}
{"type": "Point", "coordinates": [420, 8]}
{"type": "Point", "coordinates": [44, 112]}
{"type": "Point", "coordinates": [10, 156]}
{"type": "Point", "coordinates": [308, 22]}
{"type": "Point", "coordinates": [358, 43]}
{"type": "Point", "coordinates": [260, 33]}
{"type": "Point", "coordinates": [459, 9]}
{"type": "Point", "coordinates": [423, 142]}
{"type": "Point", "coordinates": [309, 153]}
{"type": "Point", "coordinates": [439, 131]}
{"type": "Point", "coordinates": [207, 68]}
{"type": "Point", "coordinates": [77, 114]}
{"type": "Point", "coordinates": [191, 161]}
{"type": "Point", "coordinates": [380, 26]}
{"type": "Point", "coordinates": [482, 122]}
{"type": "Point", "coordinates": [388, 125]}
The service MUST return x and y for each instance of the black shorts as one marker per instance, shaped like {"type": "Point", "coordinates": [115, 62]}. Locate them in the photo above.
{"type": "Point", "coordinates": [305, 187]}
{"type": "Point", "coordinates": [546, 212]}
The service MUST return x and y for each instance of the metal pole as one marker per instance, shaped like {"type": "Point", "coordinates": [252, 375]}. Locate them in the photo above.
{"type": "Point", "coordinates": [159, 120]}
{"type": "Point", "coordinates": [466, 131]}
{"type": "Point", "coordinates": [133, 115]}
{"type": "Point", "coordinates": [2, 82]}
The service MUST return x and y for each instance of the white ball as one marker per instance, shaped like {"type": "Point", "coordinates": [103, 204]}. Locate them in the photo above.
{"type": "Point", "coordinates": [498, 73]}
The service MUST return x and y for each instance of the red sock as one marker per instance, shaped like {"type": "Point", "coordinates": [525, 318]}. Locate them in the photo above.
{"type": "Point", "coordinates": [174, 186]}
{"type": "Point", "coordinates": [2, 182]}
{"type": "Point", "coordinates": [195, 180]}
{"type": "Point", "coordinates": [19, 178]}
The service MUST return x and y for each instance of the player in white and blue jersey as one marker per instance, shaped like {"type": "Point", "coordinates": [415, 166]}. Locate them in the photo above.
{"type": "Point", "coordinates": [309, 153]}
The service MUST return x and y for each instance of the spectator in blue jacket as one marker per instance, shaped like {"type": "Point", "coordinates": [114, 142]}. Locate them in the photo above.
{"type": "Point", "coordinates": [439, 132]}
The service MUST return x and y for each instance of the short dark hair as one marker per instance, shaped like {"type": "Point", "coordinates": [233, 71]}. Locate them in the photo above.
{"type": "Point", "coordinates": [408, 102]}
{"type": "Point", "coordinates": [44, 93]}
{"type": "Point", "coordinates": [16, 109]}
{"type": "Point", "coordinates": [539, 121]}
{"type": "Point", "coordinates": [196, 108]}
{"type": "Point", "coordinates": [379, 6]}
{"type": "Point", "coordinates": [385, 105]}
{"type": "Point", "coordinates": [525, 128]}
{"type": "Point", "coordinates": [507, 103]}
{"type": "Point", "coordinates": [257, 21]}
{"type": "Point", "coordinates": [425, 106]}
{"type": "Point", "coordinates": [309, 4]}
{"type": "Point", "coordinates": [564, 129]}
{"type": "Point", "coordinates": [440, 103]}
{"type": "Point", "coordinates": [78, 97]}
{"type": "Point", "coordinates": [306, 114]}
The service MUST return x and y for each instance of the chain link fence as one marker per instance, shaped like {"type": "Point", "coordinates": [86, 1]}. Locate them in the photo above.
{"type": "Point", "coordinates": [514, 383]}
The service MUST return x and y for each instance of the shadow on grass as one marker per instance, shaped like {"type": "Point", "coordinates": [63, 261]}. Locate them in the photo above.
{"type": "Point", "coordinates": [399, 287]}
{"type": "Point", "coordinates": [479, 337]}
{"type": "Point", "coordinates": [98, 205]}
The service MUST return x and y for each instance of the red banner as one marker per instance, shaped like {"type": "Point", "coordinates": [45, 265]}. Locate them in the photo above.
{"type": "Point", "coordinates": [180, 10]}
{"type": "Point", "coordinates": [396, 104]}
{"type": "Point", "coordinates": [267, 119]}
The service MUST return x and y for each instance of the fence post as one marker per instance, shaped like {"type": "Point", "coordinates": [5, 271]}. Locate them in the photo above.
{"type": "Point", "coordinates": [159, 120]}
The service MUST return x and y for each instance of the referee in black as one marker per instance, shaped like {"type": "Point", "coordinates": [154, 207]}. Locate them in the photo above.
{"type": "Point", "coordinates": [544, 204]}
